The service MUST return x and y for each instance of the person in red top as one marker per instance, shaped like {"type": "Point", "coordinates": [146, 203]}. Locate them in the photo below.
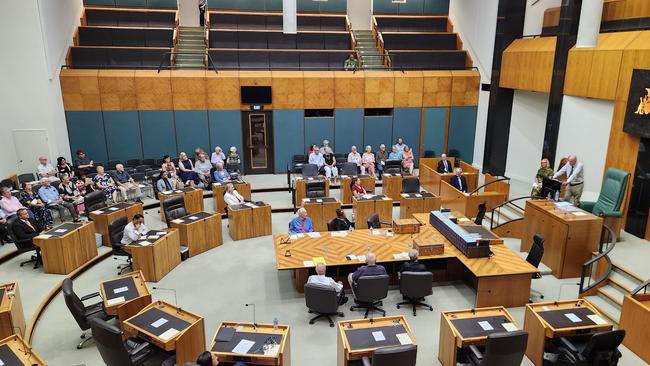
{"type": "Point", "coordinates": [356, 188]}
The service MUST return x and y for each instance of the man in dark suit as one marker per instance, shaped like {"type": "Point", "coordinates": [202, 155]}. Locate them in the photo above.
{"type": "Point", "coordinates": [459, 181]}
{"type": "Point", "coordinates": [412, 265]}
{"type": "Point", "coordinates": [24, 227]}
{"type": "Point", "coordinates": [444, 165]}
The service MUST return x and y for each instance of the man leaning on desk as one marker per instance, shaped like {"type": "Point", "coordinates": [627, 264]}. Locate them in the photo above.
{"type": "Point", "coordinates": [134, 230]}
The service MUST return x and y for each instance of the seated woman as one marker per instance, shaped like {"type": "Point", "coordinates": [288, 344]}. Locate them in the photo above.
{"type": "Point", "coordinates": [105, 183]}
{"type": "Point", "coordinates": [33, 202]}
{"type": "Point", "coordinates": [63, 168]}
{"type": "Point", "coordinates": [217, 157]}
{"type": "Point", "coordinates": [188, 175]}
{"type": "Point", "coordinates": [331, 171]}
{"type": "Point", "coordinates": [356, 188]}
{"type": "Point", "coordinates": [9, 204]}
{"type": "Point", "coordinates": [165, 183]}
{"type": "Point", "coordinates": [544, 171]}
{"type": "Point", "coordinates": [169, 167]}
{"type": "Point", "coordinates": [69, 192]}
{"type": "Point", "coordinates": [231, 196]}
{"type": "Point", "coordinates": [407, 159]}
{"type": "Point", "coordinates": [233, 158]}
{"type": "Point", "coordinates": [368, 161]}
{"type": "Point", "coordinates": [221, 175]}
{"type": "Point", "coordinates": [394, 154]}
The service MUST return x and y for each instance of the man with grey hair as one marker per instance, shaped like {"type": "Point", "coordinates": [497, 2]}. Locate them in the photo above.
{"type": "Point", "coordinates": [125, 183]}
{"type": "Point", "coordinates": [301, 223]}
{"type": "Point", "coordinates": [573, 170]}
{"type": "Point", "coordinates": [321, 279]}
{"type": "Point", "coordinates": [355, 157]}
{"type": "Point", "coordinates": [412, 265]}
{"type": "Point", "coordinates": [380, 160]}
{"type": "Point", "coordinates": [444, 165]}
{"type": "Point", "coordinates": [370, 269]}
{"type": "Point", "coordinates": [459, 181]}
{"type": "Point", "coordinates": [46, 170]}
{"type": "Point", "coordinates": [52, 199]}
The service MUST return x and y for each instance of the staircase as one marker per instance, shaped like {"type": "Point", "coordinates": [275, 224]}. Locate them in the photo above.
{"type": "Point", "coordinates": [191, 48]}
{"type": "Point", "coordinates": [369, 55]}
{"type": "Point", "coordinates": [608, 298]}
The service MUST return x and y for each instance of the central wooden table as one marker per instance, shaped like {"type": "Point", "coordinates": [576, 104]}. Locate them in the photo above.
{"type": "Point", "coordinates": [67, 246]}
{"type": "Point", "coordinates": [279, 355]}
{"type": "Point", "coordinates": [218, 190]}
{"type": "Point", "coordinates": [15, 351]}
{"type": "Point", "coordinates": [412, 203]}
{"type": "Point", "coordinates": [321, 210]}
{"type": "Point", "coordinates": [105, 216]}
{"type": "Point", "coordinates": [11, 311]}
{"type": "Point", "coordinates": [369, 205]}
{"type": "Point", "coordinates": [126, 295]}
{"type": "Point", "coordinates": [192, 197]}
{"type": "Point", "coordinates": [156, 253]}
{"type": "Point", "coordinates": [249, 220]}
{"type": "Point", "coordinates": [301, 187]}
{"type": "Point", "coordinates": [200, 232]}
{"type": "Point", "coordinates": [570, 234]}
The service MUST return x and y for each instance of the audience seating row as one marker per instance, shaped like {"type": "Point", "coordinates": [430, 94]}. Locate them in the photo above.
{"type": "Point", "coordinates": [125, 37]}
{"type": "Point", "coordinates": [419, 41]}
{"type": "Point", "coordinates": [273, 21]}
{"type": "Point", "coordinates": [91, 57]}
{"type": "Point", "coordinates": [279, 40]}
{"type": "Point", "coordinates": [170, 4]}
{"type": "Point", "coordinates": [129, 18]}
{"type": "Point", "coordinates": [263, 59]}
{"type": "Point", "coordinates": [434, 60]}
{"type": "Point", "coordinates": [411, 24]}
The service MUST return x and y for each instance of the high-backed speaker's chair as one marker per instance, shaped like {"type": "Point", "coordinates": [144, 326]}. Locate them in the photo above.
{"type": "Point", "coordinates": [610, 199]}
{"type": "Point", "coordinates": [535, 257]}
{"type": "Point", "coordinates": [392, 356]}
{"type": "Point", "coordinates": [174, 207]}
{"type": "Point", "coordinates": [94, 201]}
{"type": "Point", "coordinates": [116, 351]}
{"type": "Point", "coordinates": [415, 286]}
{"type": "Point", "coordinates": [323, 301]}
{"type": "Point", "coordinates": [80, 312]}
{"type": "Point", "coordinates": [116, 233]}
{"type": "Point", "coordinates": [369, 293]}
{"type": "Point", "coordinates": [501, 349]}
{"type": "Point", "coordinates": [601, 349]}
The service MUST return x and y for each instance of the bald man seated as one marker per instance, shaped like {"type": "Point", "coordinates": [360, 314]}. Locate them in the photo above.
{"type": "Point", "coordinates": [301, 223]}
{"type": "Point", "coordinates": [370, 269]}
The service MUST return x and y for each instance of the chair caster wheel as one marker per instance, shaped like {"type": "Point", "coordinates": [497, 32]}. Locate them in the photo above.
{"type": "Point", "coordinates": [341, 314]}
{"type": "Point", "coordinates": [331, 325]}
{"type": "Point", "coordinates": [21, 265]}
{"type": "Point", "coordinates": [542, 296]}
{"type": "Point", "coordinates": [398, 306]}
{"type": "Point", "coordinates": [430, 309]}
{"type": "Point", "coordinates": [78, 347]}
{"type": "Point", "coordinates": [311, 322]}
{"type": "Point", "coordinates": [83, 336]}
{"type": "Point", "coordinates": [309, 311]}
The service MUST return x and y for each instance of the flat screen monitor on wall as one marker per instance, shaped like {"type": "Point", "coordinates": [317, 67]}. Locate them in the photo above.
{"type": "Point", "coordinates": [256, 95]}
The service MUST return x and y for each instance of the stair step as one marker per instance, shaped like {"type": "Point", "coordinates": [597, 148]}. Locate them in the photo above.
{"type": "Point", "coordinates": [623, 282]}
{"type": "Point", "coordinates": [613, 293]}
{"type": "Point", "coordinates": [624, 272]}
{"type": "Point", "coordinates": [605, 308]}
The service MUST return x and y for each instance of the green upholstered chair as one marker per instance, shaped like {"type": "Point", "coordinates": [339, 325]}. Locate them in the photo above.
{"type": "Point", "coordinates": [610, 199]}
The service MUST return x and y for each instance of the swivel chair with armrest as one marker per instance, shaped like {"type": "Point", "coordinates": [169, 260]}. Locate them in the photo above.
{"type": "Point", "coordinates": [309, 170]}
{"type": "Point", "coordinates": [297, 161]}
{"type": "Point", "coordinates": [501, 349]}
{"type": "Point", "coordinates": [415, 286]}
{"type": "Point", "coordinates": [482, 208]}
{"type": "Point", "coordinates": [25, 245]}
{"type": "Point", "coordinates": [323, 301]}
{"type": "Point", "coordinates": [610, 199]}
{"type": "Point", "coordinates": [94, 201]}
{"type": "Point", "coordinates": [374, 223]}
{"type": "Point", "coordinates": [330, 224]}
{"type": "Point", "coordinates": [393, 166]}
{"type": "Point", "coordinates": [116, 351]}
{"type": "Point", "coordinates": [534, 257]}
{"type": "Point", "coordinates": [315, 189]}
{"type": "Point", "coordinates": [369, 293]}
{"type": "Point", "coordinates": [82, 314]}
{"type": "Point", "coordinates": [405, 355]}
{"type": "Point", "coordinates": [116, 233]}
{"type": "Point", "coordinates": [600, 350]}
{"type": "Point", "coordinates": [349, 169]}
{"type": "Point", "coordinates": [174, 207]}
{"type": "Point", "coordinates": [410, 185]}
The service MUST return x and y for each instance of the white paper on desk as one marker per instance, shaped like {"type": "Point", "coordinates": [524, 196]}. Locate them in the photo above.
{"type": "Point", "coordinates": [113, 208]}
{"type": "Point", "coordinates": [574, 318]}
{"type": "Point", "coordinates": [193, 217]}
{"type": "Point", "coordinates": [308, 263]}
{"type": "Point", "coordinates": [404, 338]}
{"type": "Point", "coordinates": [597, 319]}
{"type": "Point", "coordinates": [344, 176]}
{"type": "Point", "coordinates": [161, 233]}
{"type": "Point", "coordinates": [145, 243]}
{"type": "Point", "coordinates": [376, 232]}
{"type": "Point", "coordinates": [545, 308]}
{"type": "Point", "coordinates": [166, 192]}
{"type": "Point", "coordinates": [169, 333]}
{"type": "Point", "coordinates": [60, 230]}
{"type": "Point", "coordinates": [315, 234]}
{"type": "Point", "coordinates": [352, 257]}
{"type": "Point", "coordinates": [117, 300]}
{"type": "Point", "coordinates": [178, 191]}
{"type": "Point", "coordinates": [463, 219]}
{"type": "Point", "coordinates": [272, 350]}
{"type": "Point", "coordinates": [177, 221]}
{"type": "Point", "coordinates": [98, 212]}
{"type": "Point", "coordinates": [367, 196]}
{"type": "Point", "coordinates": [510, 327]}
{"type": "Point", "coordinates": [340, 234]}
{"type": "Point", "coordinates": [121, 289]}
{"type": "Point", "coordinates": [243, 347]}
{"type": "Point", "coordinates": [141, 185]}
{"type": "Point", "coordinates": [405, 195]}
{"type": "Point", "coordinates": [2, 363]}
{"type": "Point", "coordinates": [361, 258]}
{"type": "Point", "coordinates": [300, 235]}
{"type": "Point", "coordinates": [310, 178]}
{"type": "Point", "coordinates": [253, 206]}
{"type": "Point", "coordinates": [159, 322]}
{"type": "Point", "coordinates": [143, 237]}
{"type": "Point", "coordinates": [389, 233]}
{"type": "Point", "coordinates": [418, 195]}
{"type": "Point", "coordinates": [401, 255]}
{"type": "Point", "coordinates": [43, 236]}
{"type": "Point", "coordinates": [153, 237]}
{"type": "Point", "coordinates": [386, 198]}
{"type": "Point", "coordinates": [580, 213]}
{"type": "Point", "coordinates": [485, 325]}
{"type": "Point", "coordinates": [319, 200]}
{"type": "Point", "coordinates": [293, 236]}
{"type": "Point", "coordinates": [379, 336]}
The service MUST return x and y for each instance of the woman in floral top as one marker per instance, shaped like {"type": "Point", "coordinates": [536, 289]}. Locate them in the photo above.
{"type": "Point", "coordinates": [104, 182]}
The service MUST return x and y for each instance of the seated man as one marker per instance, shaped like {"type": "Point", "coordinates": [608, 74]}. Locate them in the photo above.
{"type": "Point", "coordinates": [208, 358]}
{"type": "Point", "coordinates": [444, 165]}
{"type": "Point", "coordinates": [370, 269]}
{"type": "Point", "coordinates": [355, 157]}
{"type": "Point", "coordinates": [316, 158]}
{"type": "Point", "coordinates": [46, 170]}
{"type": "Point", "coordinates": [321, 279]}
{"type": "Point", "coordinates": [83, 164]}
{"type": "Point", "coordinates": [134, 230]}
{"type": "Point", "coordinates": [412, 265]}
{"type": "Point", "coordinates": [341, 222]}
{"type": "Point", "coordinates": [125, 183]}
{"type": "Point", "coordinates": [380, 160]}
{"type": "Point", "coordinates": [4, 234]}
{"type": "Point", "coordinates": [459, 181]}
{"type": "Point", "coordinates": [202, 167]}
{"type": "Point", "coordinates": [26, 228]}
{"type": "Point", "coordinates": [52, 199]}
{"type": "Point", "coordinates": [301, 223]}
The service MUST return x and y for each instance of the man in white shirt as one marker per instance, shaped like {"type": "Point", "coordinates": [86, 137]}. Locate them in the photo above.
{"type": "Point", "coordinates": [134, 230]}
{"type": "Point", "coordinates": [355, 157]}
{"type": "Point", "coordinates": [46, 170]}
{"type": "Point", "coordinates": [574, 171]}
{"type": "Point", "coordinates": [202, 168]}
{"type": "Point", "coordinates": [316, 158]}
{"type": "Point", "coordinates": [321, 279]}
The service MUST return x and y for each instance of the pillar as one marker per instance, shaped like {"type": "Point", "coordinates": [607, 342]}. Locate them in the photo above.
{"type": "Point", "coordinates": [589, 27]}
{"type": "Point", "coordinates": [289, 17]}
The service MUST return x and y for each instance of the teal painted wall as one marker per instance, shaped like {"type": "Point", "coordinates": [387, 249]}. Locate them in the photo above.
{"type": "Point", "coordinates": [377, 130]}
{"type": "Point", "coordinates": [348, 129]}
{"type": "Point", "coordinates": [158, 134]}
{"type": "Point", "coordinates": [435, 120]}
{"type": "Point", "coordinates": [317, 130]}
{"type": "Point", "coordinates": [225, 131]}
{"type": "Point", "coordinates": [288, 136]}
{"type": "Point", "coordinates": [462, 131]}
{"type": "Point", "coordinates": [191, 131]}
{"type": "Point", "coordinates": [86, 132]}
{"type": "Point", "coordinates": [406, 124]}
{"type": "Point", "coordinates": [123, 139]}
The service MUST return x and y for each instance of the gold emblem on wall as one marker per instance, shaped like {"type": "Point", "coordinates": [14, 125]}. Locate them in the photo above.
{"type": "Point", "coordinates": [644, 104]}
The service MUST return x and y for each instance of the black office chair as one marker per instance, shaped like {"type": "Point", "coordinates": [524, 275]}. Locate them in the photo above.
{"type": "Point", "coordinates": [234, 169]}
{"type": "Point", "coordinates": [429, 154]}
{"type": "Point", "coordinates": [142, 168]}
{"type": "Point", "coordinates": [94, 201]}
{"type": "Point", "coordinates": [25, 245]}
{"type": "Point", "coordinates": [415, 286]}
{"type": "Point", "coordinates": [115, 351]}
{"type": "Point", "coordinates": [8, 183]}
{"type": "Point", "coordinates": [138, 177]}
{"type": "Point", "coordinates": [27, 177]}
{"type": "Point", "coordinates": [405, 355]}
{"type": "Point", "coordinates": [322, 301]}
{"type": "Point", "coordinates": [174, 207]}
{"type": "Point", "coordinates": [112, 163]}
{"type": "Point", "coordinates": [309, 170]}
{"type": "Point", "coordinates": [330, 224]}
{"type": "Point", "coordinates": [115, 233]}
{"type": "Point", "coordinates": [132, 163]}
{"type": "Point", "coordinates": [82, 314]}
{"type": "Point", "coordinates": [501, 349]}
{"type": "Point", "coordinates": [369, 293]}
{"type": "Point", "coordinates": [297, 161]}
{"type": "Point", "coordinates": [349, 169]}
{"type": "Point", "coordinates": [600, 350]}
{"type": "Point", "coordinates": [455, 153]}
{"type": "Point", "coordinates": [149, 162]}
{"type": "Point", "coordinates": [534, 257]}
{"type": "Point", "coordinates": [481, 214]}
{"type": "Point", "coordinates": [410, 185]}
{"type": "Point", "coordinates": [374, 223]}
{"type": "Point", "coordinates": [393, 166]}
{"type": "Point", "coordinates": [315, 189]}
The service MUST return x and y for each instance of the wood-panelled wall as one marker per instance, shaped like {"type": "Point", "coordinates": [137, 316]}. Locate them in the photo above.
{"type": "Point", "coordinates": [612, 10]}
{"type": "Point", "coordinates": [116, 90]}
{"type": "Point", "coordinates": [527, 64]}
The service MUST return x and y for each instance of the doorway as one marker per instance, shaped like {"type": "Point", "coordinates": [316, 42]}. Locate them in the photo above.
{"type": "Point", "coordinates": [360, 14]}
{"type": "Point", "coordinates": [257, 128]}
{"type": "Point", "coordinates": [29, 145]}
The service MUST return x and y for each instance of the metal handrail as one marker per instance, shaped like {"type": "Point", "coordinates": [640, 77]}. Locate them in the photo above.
{"type": "Point", "coordinates": [643, 286]}
{"type": "Point", "coordinates": [607, 235]}
{"type": "Point", "coordinates": [498, 208]}
{"type": "Point", "coordinates": [487, 184]}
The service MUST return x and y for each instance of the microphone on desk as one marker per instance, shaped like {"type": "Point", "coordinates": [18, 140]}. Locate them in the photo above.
{"type": "Point", "coordinates": [178, 309]}
{"type": "Point", "coordinates": [287, 240]}
{"type": "Point", "coordinates": [254, 320]}
{"type": "Point", "coordinates": [559, 293]}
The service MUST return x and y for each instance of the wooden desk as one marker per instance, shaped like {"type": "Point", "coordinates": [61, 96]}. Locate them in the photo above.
{"type": "Point", "coordinates": [18, 352]}
{"type": "Point", "coordinates": [65, 251]}
{"type": "Point", "coordinates": [280, 356]}
{"type": "Point", "coordinates": [355, 339]}
{"type": "Point", "coordinates": [431, 180]}
{"type": "Point", "coordinates": [249, 220]}
{"type": "Point", "coordinates": [200, 232]}
{"type": "Point", "coordinates": [218, 189]}
{"type": "Point", "coordinates": [570, 238]}
{"type": "Point", "coordinates": [188, 339]}
{"type": "Point", "coordinates": [467, 203]}
{"type": "Point", "coordinates": [321, 210]}
{"type": "Point", "coordinates": [156, 257]}
{"type": "Point", "coordinates": [547, 321]}
{"type": "Point", "coordinates": [126, 295]}
{"type": "Point", "coordinates": [635, 319]}
{"type": "Point", "coordinates": [105, 216]}
{"type": "Point", "coordinates": [192, 197]}
{"type": "Point", "coordinates": [458, 330]}
{"type": "Point", "coordinates": [11, 311]}
{"type": "Point", "coordinates": [366, 207]}
{"type": "Point", "coordinates": [391, 185]}
{"type": "Point", "coordinates": [301, 187]}
{"type": "Point", "coordinates": [366, 181]}
{"type": "Point", "coordinates": [423, 202]}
